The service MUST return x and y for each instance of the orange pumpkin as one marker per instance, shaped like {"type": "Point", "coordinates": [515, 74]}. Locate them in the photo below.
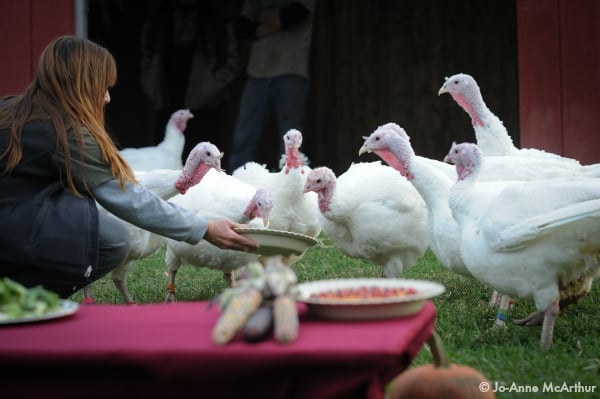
{"type": "Point", "coordinates": [440, 380]}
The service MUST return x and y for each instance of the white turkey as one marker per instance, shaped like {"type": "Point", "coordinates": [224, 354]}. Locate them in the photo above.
{"type": "Point", "coordinates": [372, 212]}
{"type": "Point", "coordinates": [497, 168]}
{"type": "Point", "coordinates": [433, 181]}
{"type": "Point", "coordinates": [219, 196]}
{"type": "Point", "coordinates": [527, 239]}
{"type": "Point", "coordinates": [168, 153]}
{"type": "Point", "coordinates": [491, 134]}
{"type": "Point", "coordinates": [293, 209]}
{"type": "Point", "coordinates": [165, 183]}
{"type": "Point", "coordinates": [391, 143]}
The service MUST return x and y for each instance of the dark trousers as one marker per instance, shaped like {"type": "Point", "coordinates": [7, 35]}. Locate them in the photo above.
{"type": "Point", "coordinates": [113, 249]}
{"type": "Point", "coordinates": [284, 95]}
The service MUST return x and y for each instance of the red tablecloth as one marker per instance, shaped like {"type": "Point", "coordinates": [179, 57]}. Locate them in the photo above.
{"type": "Point", "coordinates": [161, 350]}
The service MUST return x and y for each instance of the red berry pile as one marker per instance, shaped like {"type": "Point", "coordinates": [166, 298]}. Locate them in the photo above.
{"type": "Point", "coordinates": [364, 293]}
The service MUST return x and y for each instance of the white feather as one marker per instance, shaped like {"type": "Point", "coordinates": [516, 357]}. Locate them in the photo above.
{"type": "Point", "coordinates": [372, 212]}
{"type": "Point", "coordinates": [538, 265]}
{"type": "Point", "coordinates": [168, 153]}
{"type": "Point", "coordinates": [492, 136]}
{"type": "Point", "coordinates": [293, 210]}
{"type": "Point", "coordinates": [218, 196]}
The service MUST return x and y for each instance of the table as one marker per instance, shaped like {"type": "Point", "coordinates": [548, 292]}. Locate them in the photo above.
{"type": "Point", "coordinates": [163, 350]}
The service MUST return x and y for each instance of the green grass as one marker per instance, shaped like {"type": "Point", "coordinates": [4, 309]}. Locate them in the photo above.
{"type": "Point", "coordinates": [511, 357]}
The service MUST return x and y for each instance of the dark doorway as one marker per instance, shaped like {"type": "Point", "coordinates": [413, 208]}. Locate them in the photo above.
{"type": "Point", "coordinates": [373, 62]}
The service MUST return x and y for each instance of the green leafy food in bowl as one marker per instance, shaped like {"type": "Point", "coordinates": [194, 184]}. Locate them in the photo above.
{"type": "Point", "coordinates": [16, 301]}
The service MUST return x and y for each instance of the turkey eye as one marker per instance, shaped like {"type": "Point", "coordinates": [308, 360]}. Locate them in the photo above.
{"type": "Point", "coordinates": [456, 82]}
{"type": "Point", "coordinates": [318, 180]}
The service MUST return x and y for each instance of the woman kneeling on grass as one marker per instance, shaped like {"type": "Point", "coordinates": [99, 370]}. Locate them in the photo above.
{"type": "Point", "coordinates": [57, 160]}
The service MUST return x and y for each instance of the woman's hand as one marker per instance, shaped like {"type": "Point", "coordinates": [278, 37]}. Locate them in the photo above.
{"type": "Point", "coordinates": [222, 234]}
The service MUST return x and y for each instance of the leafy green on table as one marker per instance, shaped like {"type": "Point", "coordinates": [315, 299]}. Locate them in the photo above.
{"type": "Point", "coordinates": [16, 301]}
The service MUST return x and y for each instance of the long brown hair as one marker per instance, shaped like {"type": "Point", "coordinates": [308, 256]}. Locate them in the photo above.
{"type": "Point", "coordinates": [71, 79]}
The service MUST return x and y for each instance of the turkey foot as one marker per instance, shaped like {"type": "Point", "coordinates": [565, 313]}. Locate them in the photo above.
{"type": "Point", "coordinates": [170, 297]}
{"type": "Point", "coordinates": [534, 319]}
{"type": "Point", "coordinates": [544, 318]}
{"type": "Point", "coordinates": [122, 287]}
{"type": "Point", "coordinates": [548, 325]}
{"type": "Point", "coordinates": [503, 309]}
{"type": "Point", "coordinates": [494, 300]}
{"type": "Point", "coordinates": [88, 299]}
{"type": "Point", "coordinates": [537, 318]}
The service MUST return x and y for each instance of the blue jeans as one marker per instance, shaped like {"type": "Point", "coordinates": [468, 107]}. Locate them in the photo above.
{"type": "Point", "coordinates": [285, 94]}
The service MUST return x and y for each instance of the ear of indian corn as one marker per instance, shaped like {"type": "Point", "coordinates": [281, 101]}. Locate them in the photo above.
{"type": "Point", "coordinates": [235, 315]}
{"type": "Point", "coordinates": [259, 324]}
{"type": "Point", "coordinates": [286, 321]}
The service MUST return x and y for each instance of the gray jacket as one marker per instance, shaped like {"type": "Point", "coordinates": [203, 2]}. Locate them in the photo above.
{"type": "Point", "coordinates": [46, 226]}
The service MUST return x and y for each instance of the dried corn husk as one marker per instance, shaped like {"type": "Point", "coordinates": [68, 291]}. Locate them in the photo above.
{"type": "Point", "coordinates": [286, 320]}
{"type": "Point", "coordinates": [260, 324]}
{"type": "Point", "coordinates": [235, 315]}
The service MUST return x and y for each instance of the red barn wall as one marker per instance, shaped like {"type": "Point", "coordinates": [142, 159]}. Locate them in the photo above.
{"type": "Point", "coordinates": [26, 26]}
{"type": "Point", "coordinates": [559, 76]}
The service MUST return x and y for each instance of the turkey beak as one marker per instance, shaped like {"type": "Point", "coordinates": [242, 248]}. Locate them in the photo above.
{"type": "Point", "coordinates": [266, 222]}
{"type": "Point", "coordinates": [363, 150]}
{"type": "Point", "coordinates": [442, 90]}
{"type": "Point", "coordinates": [447, 159]}
{"type": "Point", "coordinates": [216, 165]}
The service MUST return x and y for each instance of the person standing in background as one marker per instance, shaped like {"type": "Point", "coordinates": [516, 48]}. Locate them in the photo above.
{"type": "Point", "coordinates": [277, 71]}
{"type": "Point", "coordinates": [189, 58]}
